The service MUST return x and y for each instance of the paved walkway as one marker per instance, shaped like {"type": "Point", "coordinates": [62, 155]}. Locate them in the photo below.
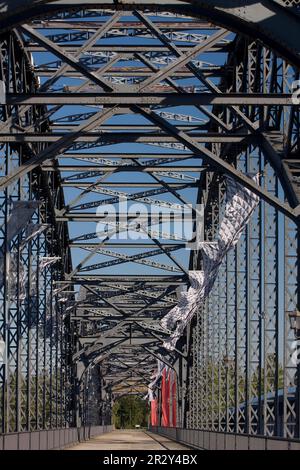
{"type": "Point", "coordinates": [128, 439]}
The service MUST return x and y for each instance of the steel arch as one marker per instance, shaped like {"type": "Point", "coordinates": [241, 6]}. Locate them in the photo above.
{"type": "Point", "coordinates": [274, 22]}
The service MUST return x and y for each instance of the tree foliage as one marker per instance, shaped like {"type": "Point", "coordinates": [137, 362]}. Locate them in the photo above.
{"type": "Point", "coordinates": [129, 411]}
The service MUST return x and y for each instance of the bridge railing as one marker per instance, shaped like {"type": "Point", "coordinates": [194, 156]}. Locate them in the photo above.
{"type": "Point", "coordinates": [210, 440]}
{"type": "Point", "coordinates": [50, 439]}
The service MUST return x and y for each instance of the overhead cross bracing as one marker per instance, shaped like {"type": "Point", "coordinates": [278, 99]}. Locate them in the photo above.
{"type": "Point", "coordinates": [118, 122]}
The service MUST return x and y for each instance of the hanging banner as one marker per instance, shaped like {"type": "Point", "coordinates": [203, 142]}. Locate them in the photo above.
{"type": "Point", "coordinates": [21, 213]}
{"type": "Point", "coordinates": [150, 394]}
{"type": "Point", "coordinates": [2, 350]}
{"type": "Point", "coordinates": [14, 275]}
{"type": "Point", "coordinates": [240, 204]}
{"type": "Point", "coordinates": [178, 318]}
{"type": "Point", "coordinates": [174, 399]}
{"type": "Point", "coordinates": [33, 230]}
{"type": "Point", "coordinates": [169, 321]}
{"type": "Point", "coordinates": [186, 302]}
{"type": "Point", "coordinates": [156, 376]}
{"type": "Point", "coordinates": [212, 257]}
{"type": "Point", "coordinates": [47, 261]}
{"type": "Point", "coordinates": [16, 278]}
{"type": "Point", "coordinates": [33, 284]}
{"type": "Point", "coordinates": [154, 417]}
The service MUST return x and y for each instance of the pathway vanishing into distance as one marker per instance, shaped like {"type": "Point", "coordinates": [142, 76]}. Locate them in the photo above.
{"type": "Point", "coordinates": [129, 439]}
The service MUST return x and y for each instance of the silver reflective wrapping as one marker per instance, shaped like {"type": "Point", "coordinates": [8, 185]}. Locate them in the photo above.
{"type": "Point", "coordinates": [32, 231]}
{"type": "Point", "coordinates": [21, 213]}
{"type": "Point", "coordinates": [2, 350]}
{"type": "Point", "coordinates": [185, 302]}
{"type": "Point", "coordinates": [16, 278]}
{"type": "Point", "coordinates": [193, 296]}
{"type": "Point", "coordinates": [156, 376]}
{"type": "Point", "coordinates": [240, 204]}
{"type": "Point", "coordinates": [47, 261]}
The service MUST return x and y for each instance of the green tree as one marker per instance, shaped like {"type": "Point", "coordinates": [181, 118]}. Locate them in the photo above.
{"type": "Point", "coordinates": [129, 411]}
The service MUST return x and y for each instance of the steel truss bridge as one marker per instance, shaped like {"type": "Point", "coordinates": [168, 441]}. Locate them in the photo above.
{"type": "Point", "coordinates": [156, 104]}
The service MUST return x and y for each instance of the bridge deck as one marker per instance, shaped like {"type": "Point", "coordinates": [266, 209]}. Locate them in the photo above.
{"type": "Point", "coordinates": [129, 439]}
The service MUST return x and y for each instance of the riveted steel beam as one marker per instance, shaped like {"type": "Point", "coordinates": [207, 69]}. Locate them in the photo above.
{"type": "Point", "coordinates": [162, 99]}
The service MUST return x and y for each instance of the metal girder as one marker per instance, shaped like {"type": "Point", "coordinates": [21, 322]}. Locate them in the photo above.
{"type": "Point", "coordinates": [124, 217]}
{"type": "Point", "coordinates": [125, 302]}
{"type": "Point", "coordinates": [121, 127]}
{"type": "Point", "coordinates": [278, 164]}
{"type": "Point", "coordinates": [117, 195]}
{"type": "Point", "coordinates": [135, 225]}
{"type": "Point", "coordinates": [65, 121]}
{"type": "Point", "coordinates": [56, 148]}
{"type": "Point", "coordinates": [119, 75]}
{"type": "Point", "coordinates": [94, 317]}
{"type": "Point", "coordinates": [84, 30]}
{"type": "Point", "coordinates": [94, 347]}
{"type": "Point", "coordinates": [132, 156]}
{"type": "Point", "coordinates": [163, 99]}
{"type": "Point", "coordinates": [183, 59]}
{"type": "Point", "coordinates": [133, 184]}
{"type": "Point", "coordinates": [139, 258]}
{"type": "Point", "coordinates": [127, 168]}
{"type": "Point", "coordinates": [151, 280]}
{"type": "Point", "coordinates": [101, 138]}
{"type": "Point", "coordinates": [140, 290]}
{"type": "Point", "coordinates": [219, 163]}
{"type": "Point", "coordinates": [72, 61]}
{"type": "Point", "coordinates": [118, 48]}
{"type": "Point", "coordinates": [124, 245]}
